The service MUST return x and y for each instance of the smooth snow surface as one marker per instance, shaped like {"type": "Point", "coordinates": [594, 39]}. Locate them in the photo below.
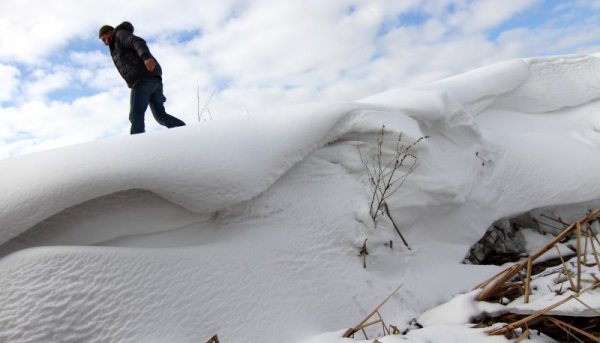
{"type": "Point", "coordinates": [251, 227]}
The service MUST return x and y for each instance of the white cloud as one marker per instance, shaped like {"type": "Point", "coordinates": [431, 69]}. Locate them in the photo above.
{"type": "Point", "coordinates": [8, 81]}
{"type": "Point", "coordinates": [38, 125]}
{"type": "Point", "coordinates": [33, 29]}
{"type": "Point", "coordinates": [279, 40]}
{"type": "Point", "coordinates": [256, 53]}
{"type": "Point", "coordinates": [481, 15]}
{"type": "Point", "coordinates": [29, 32]}
{"type": "Point", "coordinates": [95, 69]}
{"type": "Point", "coordinates": [45, 83]}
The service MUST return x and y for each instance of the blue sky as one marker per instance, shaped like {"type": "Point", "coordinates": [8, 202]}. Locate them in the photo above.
{"type": "Point", "coordinates": [58, 85]}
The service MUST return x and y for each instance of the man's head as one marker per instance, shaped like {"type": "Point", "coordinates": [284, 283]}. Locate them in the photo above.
{"type": "Point", "coordinates": [105, 33]}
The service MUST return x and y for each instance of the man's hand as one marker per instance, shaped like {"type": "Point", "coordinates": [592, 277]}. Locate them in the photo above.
{"type": "Point", "coordinates": [150, 64]}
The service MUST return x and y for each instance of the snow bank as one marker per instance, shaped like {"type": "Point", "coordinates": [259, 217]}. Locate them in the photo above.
{"type": "Point", "coordinates": [273, 207]}
{"type": "Point", "coordinates": [249, 153]}
{"type": "Point", "coordinates": [201, 168]}
{"type": "Point", "coordinates": [553, 84]}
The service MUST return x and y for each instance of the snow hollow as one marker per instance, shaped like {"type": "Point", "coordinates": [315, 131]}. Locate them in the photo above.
{"type": "Point", "coordinates": [252, 228]}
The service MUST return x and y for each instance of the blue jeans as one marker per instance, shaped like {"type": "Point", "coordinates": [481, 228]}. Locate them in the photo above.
{"type": "Point", "coordinates": [149, 92]}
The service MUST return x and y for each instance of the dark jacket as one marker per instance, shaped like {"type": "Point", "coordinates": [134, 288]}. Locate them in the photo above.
{"type": "Point", "coordinates": [129, 51]}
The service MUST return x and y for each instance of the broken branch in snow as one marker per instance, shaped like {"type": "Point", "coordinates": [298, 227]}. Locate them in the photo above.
{"type": "Point", "coordinates": [363, 324]}
{"type": "Point", "coordinates": [594, 251]}
{"type": "Point", "coordinates": [545, 224]}
{"type": "Point", "coordinates": [559, 220]}
{"type": "Point", "coordinates": [363, 253]}
{"type": "Point", "coordinates": [566, 269]}
{"type": "Point", "coordinates": [387, 211]}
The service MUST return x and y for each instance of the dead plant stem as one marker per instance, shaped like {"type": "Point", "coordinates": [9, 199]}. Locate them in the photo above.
{"type": "Point", "coordinates": [578, 225]}
{"type": "Point", "coordinates": [564, 325]}
{"type": "Point", "coordinates": [360, 325]}
{"type": "Point", "coordinates": [594, 251]}
{"type": "Point", "coordinates": [387, 211]}
{"type": "Point", "coordinates": [566, 269]}
{"type": "Point", "coordinates": [528, 281]}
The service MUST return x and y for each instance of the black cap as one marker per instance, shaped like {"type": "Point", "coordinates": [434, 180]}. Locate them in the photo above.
{"type": "Point", "coordinates": [104, 29]}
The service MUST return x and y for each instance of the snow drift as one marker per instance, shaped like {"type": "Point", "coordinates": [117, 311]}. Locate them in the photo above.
{"type": "Point", "coordinates": [250, 227]}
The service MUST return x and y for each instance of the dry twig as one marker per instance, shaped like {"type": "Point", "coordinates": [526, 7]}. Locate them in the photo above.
{"type": "Point", "coordinates": [213, 339]}
{"type": "Point", "coordinates": [387, 211]}
{"type": "Point", "coordinates": [363, 323]}
{"type": "Point", "coordinates": [565, 326]}
{"type": "Point", "coordinates": [536, 315]}
{"type": "Point", "coordinates": [363, 253]}
{"type": "Point", "coordinates": [566, 270]}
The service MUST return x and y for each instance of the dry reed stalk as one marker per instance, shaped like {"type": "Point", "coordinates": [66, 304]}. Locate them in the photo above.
{"type": "Point", "coordinates": [578, 226]}
{"type": "Point", "coordinates": [594, 251]}
{"type": "Point", "coordinates": [511, 326]}
{"type": "Point", "coordinates": [385, 329]}
{"type": "Point", "coordinates": [360, 325]}
{"type": "Point", "coordinates": [585, 244]}
{"type": "Point", "coordinates": [528, 281]}
{"type": "Point", "coordinates": [523, 336]}
{"type": "Point", "coordinates": [492, 286]}
{"type": "Point", "coordinates": [566, 270]}
{"type": "Point", "coordinates": [562, 325]}
{"type": "Point", "coordinates": [588, 306]}
{"type": "Point", "coordinates": [484, 283]}
{"type": "Point", "coordinates": [371, 323]}
{"type": "Point", "coordinates": [596, 239]}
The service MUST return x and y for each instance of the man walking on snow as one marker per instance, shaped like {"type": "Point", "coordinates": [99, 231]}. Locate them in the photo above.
{"type": "Point", "coordinates": [142, 73]}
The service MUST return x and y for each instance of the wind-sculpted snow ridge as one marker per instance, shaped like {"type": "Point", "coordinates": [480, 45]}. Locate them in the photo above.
{"type": "Point", "coordinates": [201, 168]}
{"type": "Point", "coordinates": [278, 207]}
{"type": "Point", "coordinates": [491, 110]}
{"type": "Point", "coordinates": [190, 168]}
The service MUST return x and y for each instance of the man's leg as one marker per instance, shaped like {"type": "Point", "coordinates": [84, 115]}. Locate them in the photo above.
{"type": "Point", "coordinates": [157, 106]}
{"type": "Point", "coordinates": [140, 96]}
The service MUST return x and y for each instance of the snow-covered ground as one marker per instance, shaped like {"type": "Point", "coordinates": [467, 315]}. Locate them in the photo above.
{"type": "Point", "coordinates": [251, 227]}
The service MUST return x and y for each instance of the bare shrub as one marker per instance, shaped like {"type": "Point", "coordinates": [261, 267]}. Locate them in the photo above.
{"type": "Point", "coordinates": [387, 175]}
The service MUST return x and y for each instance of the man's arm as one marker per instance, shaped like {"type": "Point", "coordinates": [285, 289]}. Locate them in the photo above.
{"type": "Point", "coordinates": [138, 44]}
